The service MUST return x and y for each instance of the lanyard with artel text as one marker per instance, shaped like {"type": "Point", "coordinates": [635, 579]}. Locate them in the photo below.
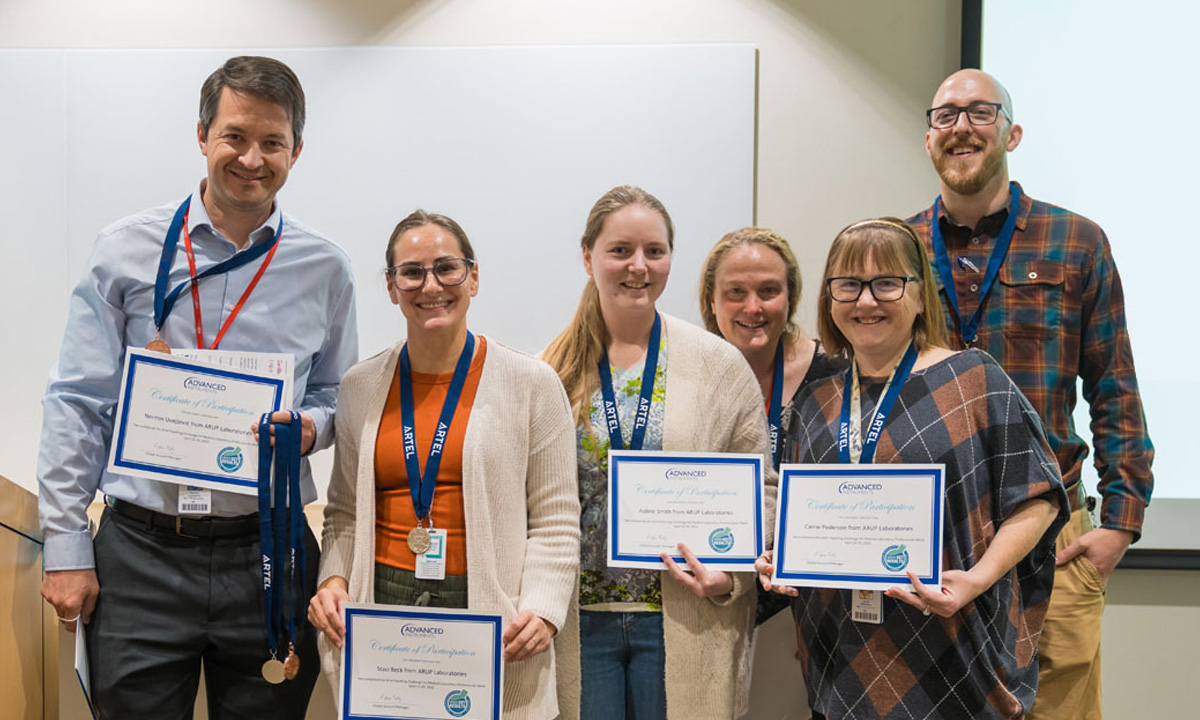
{"type": "Point", "coordinates": [970, 326]}
{"type": "Point", "coordinates": [276, 500]}
{"type": "Point", "coordinates": [421, 485]}
{"type": "Point", "coordinates": [855, 447]}
{"type": "Point", "coordinates": [164, 302]}
{"type": "Point", "coordinates": [641, 418]}
{"type": "Point", "coordinates": [775, 404]}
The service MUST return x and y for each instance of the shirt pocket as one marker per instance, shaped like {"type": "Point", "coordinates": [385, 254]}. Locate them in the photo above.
{"type": "Point", "coordinates": [1032, 298]}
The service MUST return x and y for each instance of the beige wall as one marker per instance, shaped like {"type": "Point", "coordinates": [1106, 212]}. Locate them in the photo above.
{"type": "Point", "coordinates": [842, 87]}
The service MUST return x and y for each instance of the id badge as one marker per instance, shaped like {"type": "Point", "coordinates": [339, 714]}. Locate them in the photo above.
{"type": "Point", "coordinates": [867, 606]}
{"type": "Point", "coordinates": [195, 500]}
{"type": "Point", "coordinates": [431, 564]}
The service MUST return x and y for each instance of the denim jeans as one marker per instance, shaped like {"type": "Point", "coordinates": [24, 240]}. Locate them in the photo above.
{"type": "Point", "coordinates": [623, 664]}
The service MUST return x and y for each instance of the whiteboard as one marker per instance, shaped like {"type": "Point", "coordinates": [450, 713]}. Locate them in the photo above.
{"type": "Point", "coordinates": [515, 143]}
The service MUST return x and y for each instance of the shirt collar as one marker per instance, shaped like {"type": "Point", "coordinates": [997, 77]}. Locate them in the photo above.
{"type": "Point", "coordinates": [990, 225]}
{"type": "Point", "coordinates": [198, 219]}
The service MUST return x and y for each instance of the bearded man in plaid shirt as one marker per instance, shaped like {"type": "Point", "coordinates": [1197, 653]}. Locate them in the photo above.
{"type": "Point", "coordinates": [1036, 287]}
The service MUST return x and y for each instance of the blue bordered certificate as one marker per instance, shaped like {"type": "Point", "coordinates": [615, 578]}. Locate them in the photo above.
{"type": "Point", "coordinates": [188, 421]}
{"type": "Point", "coordinates": [423, 663]}
{"type": "Point", "coordinates": [711, 502]}
{"type": "Point", "coordinates": [859, 526]}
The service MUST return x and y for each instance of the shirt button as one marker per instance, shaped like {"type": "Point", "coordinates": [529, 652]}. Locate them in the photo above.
{"type": "Point", "coordinates": [1033, 276]}
{"type": "Point", "coordinates": [974, 288]}
{"type": "Point", "coordinates": [975, 241]}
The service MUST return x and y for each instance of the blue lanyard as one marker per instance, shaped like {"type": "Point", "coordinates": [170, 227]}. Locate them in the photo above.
{"type": "Point", "coordinates": [420, 487]}
{"type": "Point", "coordinates": [775, 408]}
{"type": "Point", "coordinates": [272, 590]}
{"type": "Point", "coordinates": [642, 417]}
{"type": "Point", "coordinates": [849, 424]}
{"type": "Point", "coordinates": [970, 326]}
{"type": "Point", "coordinates": [297, 563]}
{"type": "Point", "coordinates": [275, 502]}
{"type": "Point", "coordinates": [164, 302]}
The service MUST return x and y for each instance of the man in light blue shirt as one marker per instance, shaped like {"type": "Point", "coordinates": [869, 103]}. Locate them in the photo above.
{"type": "Point", "coordinates": [162, 588]}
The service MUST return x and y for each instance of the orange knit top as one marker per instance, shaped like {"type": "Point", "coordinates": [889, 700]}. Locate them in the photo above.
{"type": "Point", "coordinates": [394, 514]}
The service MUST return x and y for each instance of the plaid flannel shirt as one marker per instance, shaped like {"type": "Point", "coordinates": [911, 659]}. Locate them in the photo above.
{"type": "Point", "coordinates": [1057, 312]}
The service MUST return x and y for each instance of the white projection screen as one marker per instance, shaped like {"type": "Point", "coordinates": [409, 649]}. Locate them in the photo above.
{"type": "Point", "coordinates": [1105, 91]}
{"type": "Point", "coordinates": [515, 143]}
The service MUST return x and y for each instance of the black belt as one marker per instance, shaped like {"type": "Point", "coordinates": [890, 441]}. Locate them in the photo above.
{"type": "Point", "coordinates": [196, 527]}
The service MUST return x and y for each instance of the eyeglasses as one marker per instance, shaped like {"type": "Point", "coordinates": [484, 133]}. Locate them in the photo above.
{"type": "Point", "coordinates": [883, 289]}
{"type": "Point", "coordinates": [449, 272]}
{"type": "Point", "coordinates": [978, 113]}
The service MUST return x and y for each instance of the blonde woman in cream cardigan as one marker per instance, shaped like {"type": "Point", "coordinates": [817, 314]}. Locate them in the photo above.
{"type": "Point", "coordinates": [505, 493]}
{"type": "Point", "coordinates": [648, 644]}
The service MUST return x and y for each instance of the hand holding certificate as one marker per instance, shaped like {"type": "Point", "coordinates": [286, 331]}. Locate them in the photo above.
{"type": "Point", "coordinates": [188, 421]}
{"type": "Point", "coordinates": [859, 526]}
{"type": "Point", "coordinates": [427, 663]}
{"type": "Point", "coordinates": [712, 503]}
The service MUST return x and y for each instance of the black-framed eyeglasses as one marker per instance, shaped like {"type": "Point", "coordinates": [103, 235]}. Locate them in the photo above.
{"type": "Point", "coordinates": [449, 272]}
{"type": "Point", "coordinates": [978, 113]}
{"type": "Point", "coordinates": [883, 289]}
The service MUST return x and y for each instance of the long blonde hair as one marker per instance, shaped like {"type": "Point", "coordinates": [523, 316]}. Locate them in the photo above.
{"type": "Point", "coordinates": [575, 353]}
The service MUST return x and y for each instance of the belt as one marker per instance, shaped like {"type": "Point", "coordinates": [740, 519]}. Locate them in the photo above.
{"type": "Point", "coordinates": [1077, 497]}
{"type": "Point", "coordinates": [195, 527]}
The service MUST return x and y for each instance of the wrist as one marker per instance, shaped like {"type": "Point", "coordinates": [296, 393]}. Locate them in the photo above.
{"type": "Point", "coordinates": [335, 582]}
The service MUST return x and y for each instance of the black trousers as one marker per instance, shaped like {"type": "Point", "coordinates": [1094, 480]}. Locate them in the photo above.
{"type": "Point", "coordinates": [169, 603]}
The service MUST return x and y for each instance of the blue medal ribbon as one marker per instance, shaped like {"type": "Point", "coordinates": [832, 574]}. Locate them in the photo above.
{"type": "Point", "coordinates": [642, 418]}
{"type": "Point", "coordinates": [296, 524]}
{"type": "Point", "coordinates": [891, 392]}
{"type": "Point", "coordinates": [775, 408]}
{"type": "Point", "coordinates": [281, 526]}
{"type": "Point", "coordinates": [279, 510]}
{"type": "Point", "coordinates": [421, 486]}
{"type": "Point", "coordinates": [266, 535]}
{"type": "Point", "coordinates": [164, 302]}
{"type": "Point", "coordinates": [970, 326]}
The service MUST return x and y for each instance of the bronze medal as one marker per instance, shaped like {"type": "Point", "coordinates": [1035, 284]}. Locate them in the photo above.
{"type": "Point", "coordinates": [418, 540]}
{"type": "Point", "coordinates": [273, 671]}
{"type": "Point", "coordinates": [291, 666]}
{"type": "Point", "coordinates": [158, 345]}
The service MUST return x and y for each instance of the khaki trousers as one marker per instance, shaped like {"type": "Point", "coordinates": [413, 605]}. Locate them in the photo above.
{"type": "Point", "coordinates": [1069, 649]}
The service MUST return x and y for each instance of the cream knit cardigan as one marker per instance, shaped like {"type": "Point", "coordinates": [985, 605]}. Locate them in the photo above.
{"type": "Point", "coordinates": [520, 497]}
{"type": "Point", "coordinates": [713, 403]}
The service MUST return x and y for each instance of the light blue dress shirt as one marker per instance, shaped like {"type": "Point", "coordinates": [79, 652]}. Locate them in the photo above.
{"type": "Point", "coordinates": [303, 305]}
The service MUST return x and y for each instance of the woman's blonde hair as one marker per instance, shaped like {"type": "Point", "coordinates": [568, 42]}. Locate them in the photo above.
{"type": "Point", "coordinates": [575, 353]}
{"type": "Point", "coordinates": [894, 247]}
{"type": "Point", "coordinates": [745, 237]}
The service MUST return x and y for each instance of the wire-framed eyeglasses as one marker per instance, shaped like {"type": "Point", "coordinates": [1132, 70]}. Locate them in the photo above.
{"type": "Point", "coordinates": [449, 272]}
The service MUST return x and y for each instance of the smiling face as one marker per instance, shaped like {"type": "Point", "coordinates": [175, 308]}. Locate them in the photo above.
{"type": "Point", "coordinates": [877, 331]}
{"type": "Point", "coordinates": [750, 297]}
{"type": "Point", "coordinates": [630, 261]}
{"type": "Point", "coordinates": [971, 158]}
{"type": "Point", "coordinates": [249, 151]}
{"type": "Point", "coordinates": [433, 308]}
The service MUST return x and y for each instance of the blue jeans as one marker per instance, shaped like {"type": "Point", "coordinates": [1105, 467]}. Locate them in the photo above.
{"type": "Point", "coordinates": [624, 666]}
